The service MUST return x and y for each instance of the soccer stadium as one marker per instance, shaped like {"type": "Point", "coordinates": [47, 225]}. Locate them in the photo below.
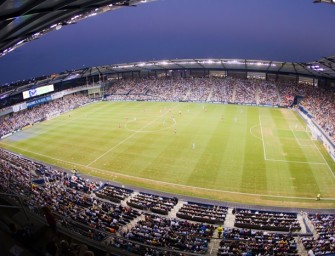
{"type": "Point", "coordinates": [164, 157]}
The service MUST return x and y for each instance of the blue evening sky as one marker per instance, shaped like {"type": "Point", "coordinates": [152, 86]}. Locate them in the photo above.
{"type": "Point", "coordinates": [281, 30]}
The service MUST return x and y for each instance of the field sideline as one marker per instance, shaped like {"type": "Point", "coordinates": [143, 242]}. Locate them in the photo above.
{"type": "Point", "coordinates": [254, 155]}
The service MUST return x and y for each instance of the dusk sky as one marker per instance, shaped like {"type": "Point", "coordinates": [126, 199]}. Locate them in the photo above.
{"type": "Point", "coordinates": [281, 30]}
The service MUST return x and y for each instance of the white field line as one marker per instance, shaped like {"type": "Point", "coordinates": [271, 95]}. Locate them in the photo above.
{"type": "Point", "coordinates": [129, 137]}
{"type": "Point", "coordinates": [260, 124]}
{"type": "Point", "coordinates": [292, 161]}
{"type": "Point", "coordinates": [158, 130]}
{"type": "Point", "coordinates": [251, 129]}
{"type": "Point", "coordinates": [298, 141]}
{"type": "Point", "coordinates": [330, 169]}
{"type": "Point", "coordinates": [115, 172]}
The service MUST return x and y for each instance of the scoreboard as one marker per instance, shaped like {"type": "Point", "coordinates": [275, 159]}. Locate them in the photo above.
{"type": "Point", "coordinates": [38, 91]}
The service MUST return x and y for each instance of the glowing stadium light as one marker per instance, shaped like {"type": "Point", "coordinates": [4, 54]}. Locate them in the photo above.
{"type": "Point", "coordinates": [234, 62]}
{"type": "Point", "coordinates": [21, 42]}
{"type": "Point", "coordinates": [187, 63]}
{"type": "Point", "coordinates": [163, 63]}
{"type": "Point", "coordinates": [75, 17]}
{"type": "Point", "coordinates": [315, 67]}
{"type": "Point", "coordinates": [124, 66]}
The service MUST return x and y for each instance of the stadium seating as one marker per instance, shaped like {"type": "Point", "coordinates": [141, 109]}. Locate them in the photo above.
{"type": "Point", "coordinates": [98, 210]}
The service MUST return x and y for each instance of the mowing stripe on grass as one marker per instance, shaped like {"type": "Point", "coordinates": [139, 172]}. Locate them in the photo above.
{"type": "Point", "coordinates": [168, 183]}
{"type": "Point", "coordinates": [260, 125]}
{"type": "Point", "coordinates": [129, 137]}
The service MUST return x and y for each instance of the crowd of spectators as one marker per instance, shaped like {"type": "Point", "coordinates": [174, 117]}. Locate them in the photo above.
{"type": "Point", "coordinates": [79, 183]}
{"type": "Point", "coordinates": [323, 243]}
{"type": "Point", "coordinates": [17, 120]}
{"type": "Point", "coordinates": [245, 92]}
{"type": "Point", "coordinates": [154, 203]}
{"type": "Point", "coordinates": [88, 205]}
{"type": "Point", "coordinates": [203, 212]}
{"type": "Point", "coordinates": [266, 220]}
{"type": "Point", "coordinates": [113, 193]}
{"type": "Point", "coordinates": [81, 211]}
{"type": "Point", "coordinates": [214, 89]}
{"type": "Point", "coordinates": [223, 89]}
{"type": "Point", "coordinates": [250, 242]}
{"type": "Point", "coordinates": [320, 102]}
{"type": "Point", "coordinates": [267, 93]}
{"type": "Point", "coordinates": [171, 233]}
{"type": "Point", "coordinates": [16, 173]}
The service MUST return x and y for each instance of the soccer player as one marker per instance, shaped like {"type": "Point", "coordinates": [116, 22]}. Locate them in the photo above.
{"type": "Point", "coordinates": [193, 145]}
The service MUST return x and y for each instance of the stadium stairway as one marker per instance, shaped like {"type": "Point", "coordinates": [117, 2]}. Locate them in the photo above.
{"type": "Point", "coordinates": [234, 93]}
{"type": "Point", "coordinates": [210, 95]}
{"type": "Point", "coordinates": [213, 246]}
{"type": "Point", "coordinates": [258, 89]}
{"type": "Point", "coordinates": [300, 218]}
{"type": "Point", "coordinates": [300, 247]}
{"type": "Point", "coordinates": [230, 219]}
{"type": "Point", "coordinates": [278, 94]}
{"type": "Point", "coordinates": [175, 209]}
{"type": "Point", "coordinates": [187, 94]}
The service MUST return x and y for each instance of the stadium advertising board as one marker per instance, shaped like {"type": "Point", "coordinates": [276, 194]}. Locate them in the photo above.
{"type": "Point", "coordinates": [19, 107]}
{"type": "Point", "coordinates": [39, 101]}
{"type": "Point", "coordinates": [38, 91]}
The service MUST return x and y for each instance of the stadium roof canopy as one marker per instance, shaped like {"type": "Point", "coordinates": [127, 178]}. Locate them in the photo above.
{"type": "Point", "coordinates": [323, 69]}
{"type": "Point", "coordinates": [24, 21]}
{"type": "Point", "coordinates": [325, 1]}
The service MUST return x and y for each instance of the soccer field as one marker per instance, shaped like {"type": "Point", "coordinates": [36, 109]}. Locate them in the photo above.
{"type": "Point", "coordinates": [253, 155]}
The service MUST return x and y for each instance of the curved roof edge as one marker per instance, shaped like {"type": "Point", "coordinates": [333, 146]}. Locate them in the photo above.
{"type": "Point", "coordinates": [321, 69]}
{"type": "Point", "coordinates": [25, 21]}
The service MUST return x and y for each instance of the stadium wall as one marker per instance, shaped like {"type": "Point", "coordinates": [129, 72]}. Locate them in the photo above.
{"type": "Point", "coordinates": [321, 136]}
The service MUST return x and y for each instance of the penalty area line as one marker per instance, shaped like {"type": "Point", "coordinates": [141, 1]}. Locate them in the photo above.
{"type": "Point", "coordinates": [326, 163]}
{"type": "Point", "coordinates": [251, 131]}
{"type": "Point", "coordinates": [292, 161]}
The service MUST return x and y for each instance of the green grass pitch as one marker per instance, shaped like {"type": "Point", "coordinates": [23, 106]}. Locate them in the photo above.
{"type": "Point", "coordinates": [254, 155]}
